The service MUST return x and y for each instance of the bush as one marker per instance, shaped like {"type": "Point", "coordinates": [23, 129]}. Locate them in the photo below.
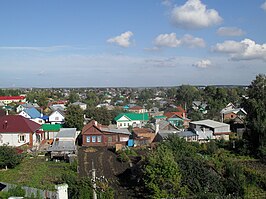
{"type": "Point", "coordinates": [9, 157]}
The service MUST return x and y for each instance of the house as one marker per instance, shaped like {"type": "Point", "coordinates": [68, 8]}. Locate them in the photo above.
{"type": "Point", "coordinates": [55, 107]}
{"type": "Point", "coordinates": [10, 99]}
{"type": "Point", "coordinates": [16, 130]}
{"type": "Point", "coordinates": [200, 106]}
{"type": "Point", "coordinates": [143, 136]}
{"type": "Point", "coordinates": [63, 144]}
{"type": "Point", "coordinates": [95, 134]}
{"type": "Point", "coordinates": [21, 107]}
{"type": "Point", "coordinates": [177, 119]}
{"type": "Point", "coordinates": [124, 120]}
{"type": "Point", "coordinates": [137, 109]}
{"type": "Point", "coordinates": [163, 129]}
{"type": "Point", "coordinates": [30, 113]}
{"type": "Point", "coordinates": [83, 106]}
{"type": "Point", "coordinates": [57, 117]}
{"type": "Point", "coordinates": [219, 130]}
{"type": "Point", "coordinates": [232, 113]}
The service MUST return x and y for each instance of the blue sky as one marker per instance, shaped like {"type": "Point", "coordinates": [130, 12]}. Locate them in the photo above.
{"type": "Point", "coordinates": [102, 43]}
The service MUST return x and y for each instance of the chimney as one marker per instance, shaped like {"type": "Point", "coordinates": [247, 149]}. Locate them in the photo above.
{"type": "Point", "coordinates": [95, 123]}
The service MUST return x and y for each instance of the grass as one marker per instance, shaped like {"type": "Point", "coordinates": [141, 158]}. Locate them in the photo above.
{"type": "Point", "coordinates": [36, 172]}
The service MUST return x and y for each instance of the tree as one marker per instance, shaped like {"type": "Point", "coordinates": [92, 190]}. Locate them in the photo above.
{"type": "Point", "coordinates": [186, 94]}
{"type": "Point", "coordinates": [101, 115]}
{"type": "Point", "coordinates": [255, 106]}
{"type": "Point", "coordinates": [73, 97]}
{"type": "Point", "coordinates": [9, 157]}
{"type": "Point", "coordinates": [161, 174]}
{"type": "Point", "coordinates": [74, 117]}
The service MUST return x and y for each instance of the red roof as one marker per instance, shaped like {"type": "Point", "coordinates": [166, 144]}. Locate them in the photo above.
{"type": "Point", "coordinates": [171, 114]}
{"type": "Point", "coordinates": [12, 97]}
{"type": "Point", "coordinates": [17, 124]}
{"type": "Point", "coordinates": [136, 108]}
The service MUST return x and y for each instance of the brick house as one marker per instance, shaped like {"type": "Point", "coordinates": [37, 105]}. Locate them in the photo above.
{"type": "Point", "coordinates": [95, 134]}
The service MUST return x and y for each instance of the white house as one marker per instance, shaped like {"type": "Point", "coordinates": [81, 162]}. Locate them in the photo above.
{"type": "Point", "coordinates": [57, 117]}
{"type": "Point", "coordinates": [83, 106]}
{"type": "Point", "coordinates": [124, 120]}
{"type": "Point", "coordinates": [16, 130]}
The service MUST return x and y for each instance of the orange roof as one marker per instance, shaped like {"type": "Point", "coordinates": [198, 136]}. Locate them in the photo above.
{"type": "Point", "coordinates": [138, 130]}
{"type": "Point", "coordinates": [171, 114]}
{"type": "Point", "coordinates": [136, 108]}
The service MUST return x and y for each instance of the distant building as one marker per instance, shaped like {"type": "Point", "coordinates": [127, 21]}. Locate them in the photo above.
{"type": "Point", "coordinates": [10, 99]}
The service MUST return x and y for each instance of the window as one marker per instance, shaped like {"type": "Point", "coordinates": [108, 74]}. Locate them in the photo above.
{"type": "Point", "coordinates": [88, 138]}
{"type": "Point", "coordinates": [93, 138]}
{"type": "Point", "coordinates": [125, 124]}
{"type": "Point", "coordinates": [110, 139]}
{"type": "Point", "coordinates": [99, 138]}
{"type": "Point", "coordinates": [22, 138]}
{"type": "Point", "coordinates": [56, 118]}
{"type": "Point", "coordinates": [120, 124]}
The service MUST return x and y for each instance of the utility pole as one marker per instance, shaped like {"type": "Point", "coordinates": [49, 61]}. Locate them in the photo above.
{"type": "Point", "coordinates": [93, 181]}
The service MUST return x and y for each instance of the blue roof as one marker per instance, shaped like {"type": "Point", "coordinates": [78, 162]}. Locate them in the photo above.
{"type": "Point", "coordinates": [45, 117]}
{"type": "Point", "coordinates": [33, 113]}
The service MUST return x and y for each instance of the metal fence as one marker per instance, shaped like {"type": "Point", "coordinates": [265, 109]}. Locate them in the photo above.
{"type": "Point", "coordinates": [31, 191]}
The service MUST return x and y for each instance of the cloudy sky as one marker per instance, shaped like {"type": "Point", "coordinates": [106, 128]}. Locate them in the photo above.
{"type": "Point", "coordinates": [103, 43]}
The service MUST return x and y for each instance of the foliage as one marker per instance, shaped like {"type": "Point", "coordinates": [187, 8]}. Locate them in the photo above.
{"type": "Point", "coordinates": [74, 117]}
{"type": "Point", "coordinates": [9, 157]}
{"type": "Point", "coordinates": [73, 97]}
{"type": "Point", "coordinates": [255, 106]}
{"type": "Point", "coordinates": [162, 176]}
{"type": "Point", "coordinates": [102, 115]}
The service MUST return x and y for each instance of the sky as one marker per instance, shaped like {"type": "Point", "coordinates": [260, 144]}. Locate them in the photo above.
{"type": "Point", "coordinates": [131, 43]}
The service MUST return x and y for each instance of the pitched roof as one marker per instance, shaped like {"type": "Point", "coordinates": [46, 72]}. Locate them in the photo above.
{"type": "Point", "coordinates": [172, 114]}
{"type": "Point", "coordinates": [32, 112]}
{"type": "Point", "coordinates": [17, 124]}
{"type": "Point", "coordinates": [103, 128]}
{"type": "Point", "coordinates": [136, 108]}
{"type": "Point", "coordinates": [133, 116]}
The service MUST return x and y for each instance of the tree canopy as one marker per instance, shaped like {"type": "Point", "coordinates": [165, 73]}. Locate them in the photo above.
{"type": "Point", "coordinates": [74, 117]}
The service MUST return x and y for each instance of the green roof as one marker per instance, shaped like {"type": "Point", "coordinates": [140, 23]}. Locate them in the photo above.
{"type": "Point", "coordinates": [133, 116]}
{"type": "Point", "coordinates": [51, 127]}
{"type": "Point", "coordinates": [159, 116]}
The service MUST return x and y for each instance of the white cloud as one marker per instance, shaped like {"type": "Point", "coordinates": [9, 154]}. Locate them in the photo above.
{"type": "Point", "coordinates": [170, 40]}
{"type": "Point", "coordinates": [194, 15]}
{"type": "Point", "coordinates": [263, 6]}
{"type": "Point", "coordinates": [122, 40]}
{"type": "Point", "coordinates": [192, 42]}
{"type": "Point", "coordinates": [230, 31]}
{"type": "Point", "coordinates": [203, 63]}
{"type": "Point", "coordinates": [247, 49]}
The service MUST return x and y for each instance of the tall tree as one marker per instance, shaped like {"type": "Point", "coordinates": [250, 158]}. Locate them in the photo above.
{"type": "Point", "coordinates": [74, 117]}
{"type": "Point", "coordinates": [9, 157]}
{"type": "Point", "coordinates": [256, 119]}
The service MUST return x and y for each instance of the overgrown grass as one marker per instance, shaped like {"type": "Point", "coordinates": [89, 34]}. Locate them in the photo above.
{"type": "Point", "coordinates": [36, 172]}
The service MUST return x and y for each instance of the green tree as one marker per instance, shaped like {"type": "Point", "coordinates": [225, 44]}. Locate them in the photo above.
{"type": "Point", "coordinates": [73, 97]}
{"type": "Point", "coordinates": [9, 157]}
{"type": "Point", "coordinates": [161, 174]}
{"type": "Point", "coordinates": [74, 117]}
{"type": "Point", "coordinates": [186, 94]}
{"type": "Point", "coordinates": [101, 115]}
{"type": "Point", "coordinates": [255, 106]}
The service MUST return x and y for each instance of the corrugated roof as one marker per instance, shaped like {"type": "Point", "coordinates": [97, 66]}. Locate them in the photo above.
{"type": "Point", "coordinates": [210, 123]}
{"type": "Point", "coordinates": [12, 97]}
{"type": "Point", "coordinates": [66, 133]}
{"type": "Point", "coordinates": [17, 124]}
{"type": "Point", "coordinates": [32, 112]}
{"type": "Point", "coordinates": [133, 116]}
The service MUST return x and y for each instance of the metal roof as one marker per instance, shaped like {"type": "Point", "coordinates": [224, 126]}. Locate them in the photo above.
{"type": "Point", "coordinates": [210, 123]}
{"type": "Point", "coordinates": [66, 133]}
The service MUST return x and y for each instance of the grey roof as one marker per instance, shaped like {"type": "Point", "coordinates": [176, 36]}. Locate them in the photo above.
{"type": "Point", "coordinates": [116, 130]}
{"type": "Point", "coordinates": [66, 133]}
{"type": "Point", "coordinates": [78, 103]}
{"type": "Point", "coordinates": [62, 145]}
{"type": "Point", "coordinates": [233, 111]}
{"type": "Point", "coordinates": [210, 123]}
{"type": "Point", "coordinates": [186, 134]}
{"type": "Point", "coordinates": [165, 133]}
